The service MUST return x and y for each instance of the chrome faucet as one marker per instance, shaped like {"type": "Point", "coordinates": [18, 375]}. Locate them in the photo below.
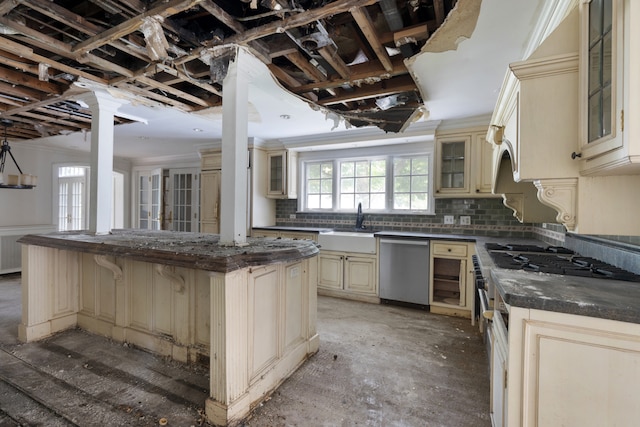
{"type": "Point", "coordinates": [360, 217]}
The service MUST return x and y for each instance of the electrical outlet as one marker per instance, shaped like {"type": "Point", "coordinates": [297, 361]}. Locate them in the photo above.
{"type": "Point", "coordinates": [292, 216]}
{"type": "Point", "coordinates": [448, 219]}
{"type": "Point", "coordinates": [465, 220]}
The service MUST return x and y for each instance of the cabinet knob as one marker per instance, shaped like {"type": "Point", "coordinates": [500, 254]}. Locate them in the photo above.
{"type": "Point", "coordinates": [574, 155]}
{"type": "Point", "coordinates": [449, 250]}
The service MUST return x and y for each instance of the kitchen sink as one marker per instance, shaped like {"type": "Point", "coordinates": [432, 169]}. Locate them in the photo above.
{"type": "Point", "coordinates": [355, 230]}
{"type": "Point", "coordinates": [348, 241]}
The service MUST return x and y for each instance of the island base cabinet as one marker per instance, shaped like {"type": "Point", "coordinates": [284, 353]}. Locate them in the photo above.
{"type": "Point", "coordinates": [255, 325]}
{"type": "Point", "coordinates": [572, 370]}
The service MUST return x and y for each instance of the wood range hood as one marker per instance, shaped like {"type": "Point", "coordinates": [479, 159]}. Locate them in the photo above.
{"type": "Point", "coordinates": [535, 130]}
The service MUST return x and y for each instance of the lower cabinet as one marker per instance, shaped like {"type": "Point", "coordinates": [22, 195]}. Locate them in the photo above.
{"type": "Point", "coordinates": [451, 289]}
{"type": "Point", "coordinates": [348, 275]}
{"type": "Point", "coordinates": [571, 370]}
{"type": "Point", "coordinates": [301, 235]}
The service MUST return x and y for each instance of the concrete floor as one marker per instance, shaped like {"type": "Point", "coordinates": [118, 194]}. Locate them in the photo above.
{"type": "Point", "coordinates": [378, 365]}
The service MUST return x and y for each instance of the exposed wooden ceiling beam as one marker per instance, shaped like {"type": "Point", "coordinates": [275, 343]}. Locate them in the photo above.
{"type": "Point", "coordinates": [305, 66]}
{"type": "Point", "coordinates": [7, 6]}
{"type": "Point", "coordinates": [289, 81]}
{"type": "Point", "coordinates": [35, 105]}
{"type": "Point", "coordinates": [363, 20]}
{"type": "Point", "coordinates": [360, 73]}
{"type": "Point", "coordinates": [438, 8]}
{"type": "Point", "coordinates": [154, 96]}
{"type": "Point", "coordinates": [331, 56]}
{"type": "Point", "coordinates": [79, 23]}
{"type": "Point", "coordinates": [384, 88]}
{"type": "Point", "coordinates": [26, 52]}
{"type": "Point", "coordinates": [23, 79]}
{"type": "Point", "coordinates": [22, 92]}
{"type": "Point", "coordinates": [133, 24]}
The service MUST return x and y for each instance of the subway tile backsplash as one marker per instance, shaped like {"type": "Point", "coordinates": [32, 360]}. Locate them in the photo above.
{"type": "Point", "coordinates": [489, 217]}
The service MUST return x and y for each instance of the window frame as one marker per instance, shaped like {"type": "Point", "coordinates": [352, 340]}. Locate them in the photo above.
{"type": "Point", "coordinates": [388, 153]}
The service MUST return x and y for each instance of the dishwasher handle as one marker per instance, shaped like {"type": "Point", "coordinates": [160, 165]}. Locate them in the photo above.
{"type": "Point", "coordinates": [405, 242]}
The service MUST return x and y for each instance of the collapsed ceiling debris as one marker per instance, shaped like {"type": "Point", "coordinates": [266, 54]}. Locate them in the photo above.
{"type": "Point", "coordinates": [343, 56]}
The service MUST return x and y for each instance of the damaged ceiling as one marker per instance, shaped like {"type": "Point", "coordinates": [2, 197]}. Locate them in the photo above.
{"type": "Point", "coordinates": [345, 56]}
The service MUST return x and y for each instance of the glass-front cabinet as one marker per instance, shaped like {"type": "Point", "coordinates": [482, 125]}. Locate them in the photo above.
{"type": "Point", "coordinates": [609, 86]}
{"type": "Point", "coordinates": [281, 170]}
{"type": "Point", "coordinates": [453, 165]}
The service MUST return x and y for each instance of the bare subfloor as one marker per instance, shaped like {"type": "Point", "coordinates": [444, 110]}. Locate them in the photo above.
{"type": "Point", "coordinates": [378, 365]}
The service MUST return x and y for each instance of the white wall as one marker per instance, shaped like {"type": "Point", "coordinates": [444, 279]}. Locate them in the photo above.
{"type": "Point", "coordinates": [35, 207]}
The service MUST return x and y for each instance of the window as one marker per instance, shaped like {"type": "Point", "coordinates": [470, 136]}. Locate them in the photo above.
{"type": "Point", "coordinates": [600, 69]}
{"type": "Point", "coordinates": [362, 181]}
{"type": "Point", "coordinates": [411, 183]}
{"type": "Point", "coordinates": [389, 179]}
{"type": "Point", "coordinates": [319, 188]}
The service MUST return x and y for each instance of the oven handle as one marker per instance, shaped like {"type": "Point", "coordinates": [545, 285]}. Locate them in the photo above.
{"type": "Point", "coordinates": [484, 305]}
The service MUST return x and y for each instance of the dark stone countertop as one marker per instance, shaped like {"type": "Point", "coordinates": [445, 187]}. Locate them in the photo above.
{"type": "Point", "coordinates": [584, 296]}
{"type": "Point", "coordinates": [182, 249]}
{"type": "Point", "coordinates": [407, 235]}
{"type": "Point", "coordinates": [289, 228]}
{"type": "Point", "coordinates": [377, 233]}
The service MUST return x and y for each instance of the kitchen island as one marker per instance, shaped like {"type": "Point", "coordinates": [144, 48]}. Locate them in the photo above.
{"type": "Point", "coordinates": [250, 311]}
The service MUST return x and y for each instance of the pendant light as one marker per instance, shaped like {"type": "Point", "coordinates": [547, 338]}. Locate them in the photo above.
{"type": "Point", "coordinates": [22, 181]}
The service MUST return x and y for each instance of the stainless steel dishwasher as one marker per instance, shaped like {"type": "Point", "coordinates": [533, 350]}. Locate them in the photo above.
{"type": "Point", "coordinates": [404, 270]}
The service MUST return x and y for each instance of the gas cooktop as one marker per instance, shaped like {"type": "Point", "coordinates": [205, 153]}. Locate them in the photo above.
{"type": "Point", "coordinates": [554, 260]}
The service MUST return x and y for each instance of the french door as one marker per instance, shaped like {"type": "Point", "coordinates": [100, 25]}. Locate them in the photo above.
{"type": "Point", "coordinates": [150, 199]}
{"type": "Point", "coordinates": [72, 198]}
{"type": "Point", "coordinates": [184, 190]}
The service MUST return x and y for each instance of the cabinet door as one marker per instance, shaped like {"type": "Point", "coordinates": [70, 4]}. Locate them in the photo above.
{"type": "Point", "coordinates": [264, 233]}
{"type": "Point", "coordinates": [330, 270]}
{"type": "Point", "coordinates": [482, 162]}
{"type": "Point", "coordinates": [360, 274]}
{"type": "Point", "coordinates": [498, 380]}
{"type": "Point", "coordinates": [281, 174]}
{"type": "Point", "coordinates": [452, 173]}
{"type": "Point", "coordinates": [299, 235]}
{"type": "Point", "coordinates": [277, 164]}
{"type": "Point", "coordinates": [210, 201]}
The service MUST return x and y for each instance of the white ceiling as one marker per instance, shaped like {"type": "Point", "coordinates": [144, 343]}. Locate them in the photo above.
{"type": "Point", "coordinates": [456, 85]}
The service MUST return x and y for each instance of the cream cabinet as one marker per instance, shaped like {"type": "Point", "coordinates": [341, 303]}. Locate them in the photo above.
{"type": "Point", "coordinates": [463, 164]}
{"type": "Point", "coordinates": [282, 166]}
{"type": "Point", "coordinates": [451, 283]}
{"type": "Point", "coordinates": [348, 275]}
{"type": "Point", "coordinates": [571, 370]}
{"type": "Point", "coordinates": [210, 180]}
{"type": "Point", "coordinates": [482, 164]}
{"type": "Point", "coordinates": [301, 235]}
{"type": "Point", "coordinates": [609, 140]}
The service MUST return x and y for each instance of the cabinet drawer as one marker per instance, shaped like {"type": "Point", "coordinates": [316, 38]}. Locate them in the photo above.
{"type": "Point", "coordinates": [451, 249]}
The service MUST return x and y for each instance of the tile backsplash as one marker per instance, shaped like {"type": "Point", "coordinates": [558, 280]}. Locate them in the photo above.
{"type": "Point", "coordinates": [488, 217]}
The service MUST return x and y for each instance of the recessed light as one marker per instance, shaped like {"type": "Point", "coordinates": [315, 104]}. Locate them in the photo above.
{"type": "Point", "coordinates": [285, 116]}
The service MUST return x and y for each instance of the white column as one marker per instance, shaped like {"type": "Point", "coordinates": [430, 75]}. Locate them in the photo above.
{"type": "Point", "coordinates": [235, 101]}
{"type": "Point", "coordinates": [103, 107]}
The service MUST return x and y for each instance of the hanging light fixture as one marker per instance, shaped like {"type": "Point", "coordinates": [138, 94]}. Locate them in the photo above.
{"type": "Point", "coordinates": [22, 181]}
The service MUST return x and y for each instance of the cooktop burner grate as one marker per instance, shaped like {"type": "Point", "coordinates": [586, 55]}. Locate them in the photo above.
{"type": "Point", "coordinates": [555, 260]}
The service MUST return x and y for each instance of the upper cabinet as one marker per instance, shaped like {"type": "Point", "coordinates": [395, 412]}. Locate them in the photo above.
{"type": "Point", "coordinates": [543, 163]}
{"type": "Point", "coordinates": [282, 168]}
{"type": "Point", "coordinates": [463, 164]}
{"type": "Point", "coordinates": [609, 140]}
